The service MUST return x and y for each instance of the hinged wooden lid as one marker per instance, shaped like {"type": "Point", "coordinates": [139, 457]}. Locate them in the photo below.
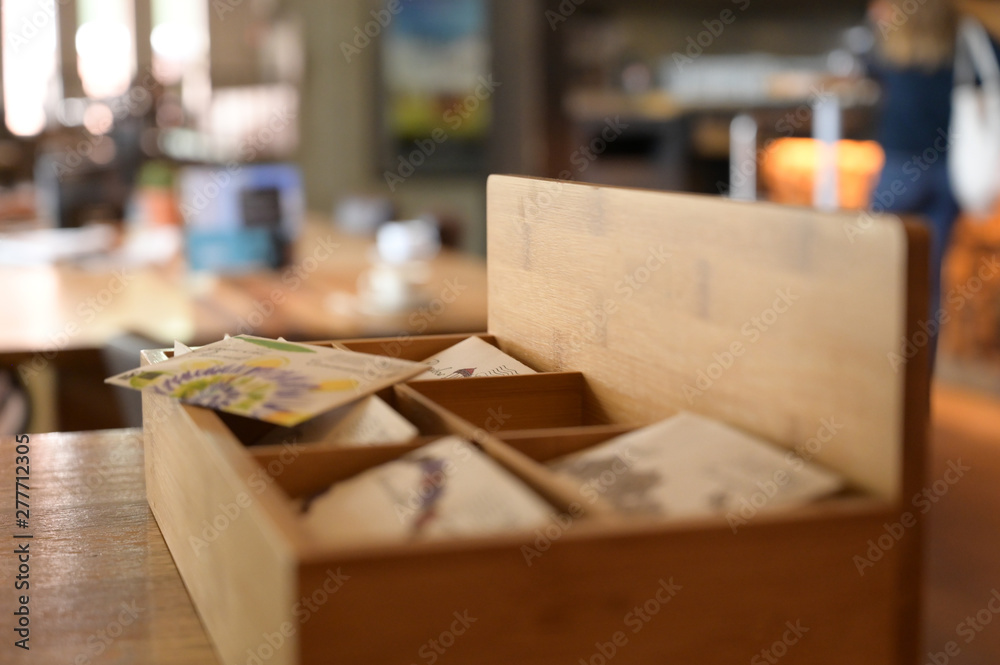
{"type": "Point", "coordinates": [783, 321]}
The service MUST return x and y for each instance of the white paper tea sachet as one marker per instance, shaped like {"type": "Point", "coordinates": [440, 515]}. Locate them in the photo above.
{"type": "Point", "coordinates": [446, 489]}
{"type": "Point", "coordinates": [472, 357]}
{"type": "Point", "coordinates": [367, 422]}
{"type": "Point", "coordinates": [689, 465]}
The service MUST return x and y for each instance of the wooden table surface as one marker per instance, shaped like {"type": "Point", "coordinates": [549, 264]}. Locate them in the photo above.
{"type": "Point", "coordinates": [103, 587]}
{"type": "Point", "coordinates": [57, 319]}
{"type": "Point", "coordinates": [97, 550]}
{"type": "Point", "coordinates": [54, 308]}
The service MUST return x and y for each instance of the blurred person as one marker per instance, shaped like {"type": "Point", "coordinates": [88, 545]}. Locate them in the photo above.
{"type": "Point", "coordinates": [913, 62]}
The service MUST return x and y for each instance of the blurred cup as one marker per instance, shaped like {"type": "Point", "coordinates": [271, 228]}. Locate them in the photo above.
{"type": "Point", "coordinates": [362, 215]}
{"type": "Point", "coordinates": [404, 242]}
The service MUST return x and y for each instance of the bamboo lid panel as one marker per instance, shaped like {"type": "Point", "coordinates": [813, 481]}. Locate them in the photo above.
{"type": "Point", "coordinates": [782, 321]}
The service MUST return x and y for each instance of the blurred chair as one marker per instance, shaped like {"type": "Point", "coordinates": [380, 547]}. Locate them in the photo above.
{"type": "Point", "coordinates": [15, 404]}
{"type": "Point", "coordinates": [121, 354]}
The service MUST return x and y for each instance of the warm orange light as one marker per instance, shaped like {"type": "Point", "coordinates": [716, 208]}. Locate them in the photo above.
{"type": "Point", "coordinates": [789, 166]}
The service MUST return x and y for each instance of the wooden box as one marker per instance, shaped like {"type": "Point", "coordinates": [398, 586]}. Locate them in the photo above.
{"type": "Point", "coordinates": [633, 304]}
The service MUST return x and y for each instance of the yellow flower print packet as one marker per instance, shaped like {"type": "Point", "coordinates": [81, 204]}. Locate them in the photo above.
{"type": "Point", "coordinates": [274, 381]}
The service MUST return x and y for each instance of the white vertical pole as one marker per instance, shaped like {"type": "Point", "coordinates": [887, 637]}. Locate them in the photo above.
{"type": "Point", "coordinates": [826, 131]}
{"type": "Point", "coordinates": [743, 158]}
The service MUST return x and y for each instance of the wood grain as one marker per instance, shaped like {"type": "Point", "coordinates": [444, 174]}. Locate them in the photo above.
{"type": "Point", "coordinates": [230, 532]}
{"type": "Point", "coordinates": [104, 548]}
{"type": "Point", "coordinates": [770, 318]}
{"type": "Point", "coordinates": [96, 550]}
{"type": "Point", "coordinates": [738, 593]}
{"type": "Point", "coordinates": [408, 347]}
{"type": "Point", "coordinates": [507, 403]}
{"type": "Point", "coordinates": [963, 527]}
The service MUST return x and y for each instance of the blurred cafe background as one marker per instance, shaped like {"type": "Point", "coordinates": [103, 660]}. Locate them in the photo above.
{"type": "Point", "coordinates": [178, 170]}
{"type": "Point", "coordinates": [182, 169]}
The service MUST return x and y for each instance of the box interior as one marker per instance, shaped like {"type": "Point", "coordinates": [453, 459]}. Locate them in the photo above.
{"type": "Point", "coordinates": [521, 421]}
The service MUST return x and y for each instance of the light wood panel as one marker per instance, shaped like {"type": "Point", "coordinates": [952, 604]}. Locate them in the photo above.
{"type": "Point", "coordinates": [215, 507]}
{"type": "Point", "coordinates": [770, 318]}
{"type": "Point", "coordinates": [96, 551]}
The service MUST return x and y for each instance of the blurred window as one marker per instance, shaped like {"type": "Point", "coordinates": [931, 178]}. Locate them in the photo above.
{"type": "Point", "coordinates": [229, 79]}
{"type": "Point", "coordinates": [30, 36]}
{"type": "Point", "coordinates": [105, 46]}
{"type": "Point", "coordinates": [179, 39]}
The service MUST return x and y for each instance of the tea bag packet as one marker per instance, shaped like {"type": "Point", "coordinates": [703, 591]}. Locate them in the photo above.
{"type": "Point", "coordinates": [446, 489]}
{"type": "Point", "coordinates": [472, 357]}
{"type": "Point", "coordinates": [689, 465]}
{"type": "Point", "coordinates": [274, 381]}
{"type": "Point", "coordinates": [367, 422]}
